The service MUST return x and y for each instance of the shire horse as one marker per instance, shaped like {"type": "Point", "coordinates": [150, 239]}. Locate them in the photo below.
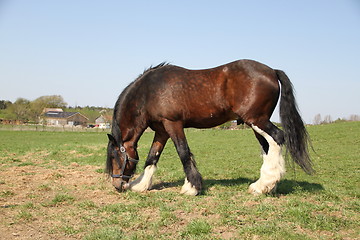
{"type": "Point", "coordinates": [169, 98]}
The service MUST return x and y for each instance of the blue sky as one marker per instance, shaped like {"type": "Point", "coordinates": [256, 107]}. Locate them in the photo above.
{"type": "Point", "coordinates": [89, 51]}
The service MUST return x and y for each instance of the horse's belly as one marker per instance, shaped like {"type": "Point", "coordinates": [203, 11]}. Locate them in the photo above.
{"type": "Point", "coordinates": [209, 121]}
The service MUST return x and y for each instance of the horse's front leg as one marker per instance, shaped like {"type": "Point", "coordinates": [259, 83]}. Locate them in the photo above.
{"type": "Point", "coordinates": [193, 180]}
{"type": "Point", "coordinates": [144, 181]}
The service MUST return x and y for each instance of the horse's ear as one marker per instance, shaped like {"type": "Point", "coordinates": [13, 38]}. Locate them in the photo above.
{"type": "Point", "coordinates": [112, 139]}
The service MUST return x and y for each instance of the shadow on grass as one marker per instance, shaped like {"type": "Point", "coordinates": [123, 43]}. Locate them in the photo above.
{"type": "Point", "coordinates": [163, 185]}
{"type": "Point", "coordinates": [290, 186]}
{"type": "Point", "coordinates": [284, 187]}
{"type": "Point", "coordinates": [207, 183]}
{"type": "Point", "coordinates": [226, 182]}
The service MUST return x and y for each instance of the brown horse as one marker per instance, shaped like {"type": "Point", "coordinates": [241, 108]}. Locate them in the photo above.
{"type": "Point", "coordinates": [168, 99]}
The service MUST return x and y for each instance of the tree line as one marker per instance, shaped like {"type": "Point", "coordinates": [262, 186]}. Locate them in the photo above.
{"type": "Point", "coordinates": [328, 119]}
{"type": "Point", "coordinates": [27, 111]}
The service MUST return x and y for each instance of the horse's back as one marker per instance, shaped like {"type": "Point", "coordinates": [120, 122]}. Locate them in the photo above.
{"type": "Point", "coordinates": [234, 90]}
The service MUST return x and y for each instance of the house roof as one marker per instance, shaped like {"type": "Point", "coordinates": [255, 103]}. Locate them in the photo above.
{"type": "Point", "coordinates": [52, 110]}
{"type": "Point", "coordinates": [55, 114]}
{"type": "Point", "coordinates": [104, 118]}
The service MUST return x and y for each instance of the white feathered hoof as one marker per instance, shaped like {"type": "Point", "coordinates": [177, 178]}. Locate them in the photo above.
{"type": "Point", "coordinates": [189, 189]}
{"type": "Point", "coordinates": [143, 182]}
{"type": "Point", "coordinates": [254, 189]}
{"type": "Point", "coordinates": [257, 188]}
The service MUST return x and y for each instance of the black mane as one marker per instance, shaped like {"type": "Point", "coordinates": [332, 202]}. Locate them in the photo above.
{"type": "Point", "coordinates": [153, 68]}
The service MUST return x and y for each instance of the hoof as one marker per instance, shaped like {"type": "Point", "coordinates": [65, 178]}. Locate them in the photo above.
{"type": "Point", "coordinates": [257, 189]}
{"type": "Point", "coordinates": [254, 190]}
{"type": "Point", "coordinates": [188, 189]}
{"type": "Point", "coordinates": [137, 187]}
{"type": "Point", "coordinates": [144, 181]}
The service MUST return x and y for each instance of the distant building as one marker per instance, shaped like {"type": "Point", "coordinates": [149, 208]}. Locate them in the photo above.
{"type": "Point", "coordinates": [103, 121]}
{"type": "Point", "coordinates": [52, 110]}
{"type": "Point", "coordinates": [57, 117]}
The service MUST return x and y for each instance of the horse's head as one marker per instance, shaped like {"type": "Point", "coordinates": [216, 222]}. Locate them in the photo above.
{"type": "Point", "coordinates": [119, 165]}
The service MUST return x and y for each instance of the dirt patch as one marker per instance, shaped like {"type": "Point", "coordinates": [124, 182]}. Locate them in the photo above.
{"type": "Point", "coordinates": [45, 200]}
{"type": "Point", "coordinates": [41, 202]}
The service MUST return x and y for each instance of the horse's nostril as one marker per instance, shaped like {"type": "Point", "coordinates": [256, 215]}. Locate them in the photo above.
{"type": "Point", "coordinates": [121, 188]}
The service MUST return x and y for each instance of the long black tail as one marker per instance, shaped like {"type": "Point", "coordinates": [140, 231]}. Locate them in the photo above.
{"type": "Point", "coordinates": [296, 136]}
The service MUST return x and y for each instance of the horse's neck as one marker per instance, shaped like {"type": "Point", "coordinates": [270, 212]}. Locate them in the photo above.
{"type": "Point", "coordinates": [131, 128]}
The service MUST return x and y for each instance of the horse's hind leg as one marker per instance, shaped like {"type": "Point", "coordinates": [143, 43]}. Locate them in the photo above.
{"type": "Point", "coordinates": [271, 138]}
{"type": "Point", "coordinates": [144, 181]}
{"type": "Point", "coordinates": [193, 180]}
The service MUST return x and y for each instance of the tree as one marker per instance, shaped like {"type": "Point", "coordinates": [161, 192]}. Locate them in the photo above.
{"type": "Point", "coordinates": [354, 117]}
{"type": "Point", "coordinates": [52, 101]}
{"type": "Point", "coordinates": [327, 119]}
{"type": "Point", "coordinates": [21, 109]}
{"type": "Point", "coordinates": [5, 110]}
{"type": "Point", "coordinates": [37, 106]}
{"type": "Point", "coordinates": [317, 119]}
{"type": "Point", "coordinates": [5, 104]}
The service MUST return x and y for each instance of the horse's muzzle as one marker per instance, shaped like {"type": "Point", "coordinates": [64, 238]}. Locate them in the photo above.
{"type": "Point", "coordinates": [119, 184]}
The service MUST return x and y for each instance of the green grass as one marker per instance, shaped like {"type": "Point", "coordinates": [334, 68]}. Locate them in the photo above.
{"type": "Point", "coordinates": [71, 198]}
{"type": "Point", "coordinates": [5, 194]}
{"type": "Point", "coordinates": [25, 216]}
{"type": "Point", "coordinates": [59, 199]}
{"type": "Point", "coordinates": [196, 229]}
{"type": "Point", "coordinates": [108, 233]}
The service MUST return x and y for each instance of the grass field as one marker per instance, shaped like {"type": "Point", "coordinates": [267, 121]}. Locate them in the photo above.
{"type": "Point", "coordinates": [52, 186]}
